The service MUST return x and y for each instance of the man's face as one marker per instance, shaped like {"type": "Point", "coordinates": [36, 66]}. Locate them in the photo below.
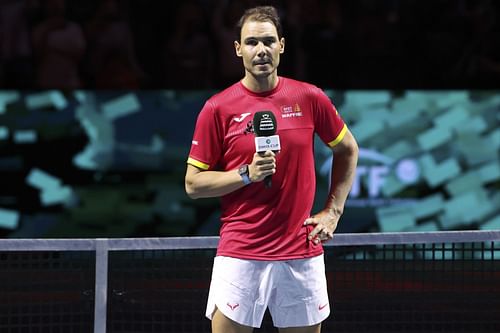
{"type": "Point", "coordinates": [260, 48]}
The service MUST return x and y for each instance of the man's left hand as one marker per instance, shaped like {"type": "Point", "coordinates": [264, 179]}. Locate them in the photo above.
{"type": "Point", "coordinates": [325, 222]}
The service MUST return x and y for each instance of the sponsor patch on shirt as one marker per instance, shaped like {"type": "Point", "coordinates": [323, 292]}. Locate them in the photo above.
{"type": "Point", "coordinates": [288, 111]}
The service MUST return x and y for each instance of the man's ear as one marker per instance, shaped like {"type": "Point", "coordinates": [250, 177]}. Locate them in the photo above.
{"type": "Point", "coordinates": [237, 48]}
{"type": "Point", "coordinates": [282, 45]}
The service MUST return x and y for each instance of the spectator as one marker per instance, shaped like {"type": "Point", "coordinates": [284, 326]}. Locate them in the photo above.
{"type": "Point", "coordinates": [111, 59]}
{"type": "Point", "coordinates": [59, 46]}
{"type": "Point", "coordinates": [15, 42]}
{"type": "Point", "coordinates": [479, 60]}
{"type": "Point", "coordinates": [188, 52]}
{"type": "Point", "coordinates": [328, 67]}
{"type": "Point", "coordinates": [225, 16]}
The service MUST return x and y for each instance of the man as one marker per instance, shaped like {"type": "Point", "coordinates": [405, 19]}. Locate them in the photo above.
{"type": "Point", "coordinates": [270, 253]}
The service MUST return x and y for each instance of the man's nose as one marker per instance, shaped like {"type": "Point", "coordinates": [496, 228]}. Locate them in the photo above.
{"type": "Point", "coordinates": [261, 49]}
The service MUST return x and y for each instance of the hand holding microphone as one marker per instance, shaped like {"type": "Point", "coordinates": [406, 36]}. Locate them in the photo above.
{"type": "Point", "coordinates": [263, 165]}
{"type": "Point", "coordinates": [267, 143]}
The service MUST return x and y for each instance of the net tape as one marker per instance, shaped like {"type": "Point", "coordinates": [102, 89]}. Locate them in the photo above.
{"type": "Point", "coordinates": [179, 243]}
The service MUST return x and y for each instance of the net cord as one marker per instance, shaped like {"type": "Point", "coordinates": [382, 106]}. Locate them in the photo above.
{"type": "Point", "coordinates": [210, 242]}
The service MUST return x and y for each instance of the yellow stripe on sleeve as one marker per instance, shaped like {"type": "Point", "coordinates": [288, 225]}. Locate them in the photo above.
{"type": "Point", "coordinates": [339, 137]}
{"type": "Point", "coordinates": [198, 164]}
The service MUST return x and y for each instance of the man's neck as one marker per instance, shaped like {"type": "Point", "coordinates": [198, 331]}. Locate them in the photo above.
{"type": "Point", "coordinates": [259, 85]}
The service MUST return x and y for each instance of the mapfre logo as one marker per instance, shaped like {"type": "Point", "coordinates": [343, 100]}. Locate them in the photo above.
{"type": "Point", "coordinates": [288, 111]}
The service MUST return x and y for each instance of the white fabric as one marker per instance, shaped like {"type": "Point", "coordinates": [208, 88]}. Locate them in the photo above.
{"type": "Point", "coordinates": [294, 290]}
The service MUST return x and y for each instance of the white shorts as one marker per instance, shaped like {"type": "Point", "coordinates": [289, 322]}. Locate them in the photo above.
{"type": "Point", "coordinates": [294, 290]}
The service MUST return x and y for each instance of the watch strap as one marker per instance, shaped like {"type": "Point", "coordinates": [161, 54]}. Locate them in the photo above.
{"type": "Point", "coordinates": [245, 175]}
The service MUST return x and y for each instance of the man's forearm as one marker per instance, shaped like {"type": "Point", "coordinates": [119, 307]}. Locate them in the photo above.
{"type": "Point", "coordinates": [342, 177]}
{"type": "Point", "coordinates": [208, 184]}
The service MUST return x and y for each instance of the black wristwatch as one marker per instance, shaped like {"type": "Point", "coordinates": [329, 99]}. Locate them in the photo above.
{"type": "Point", "coordinates": [245, 175]}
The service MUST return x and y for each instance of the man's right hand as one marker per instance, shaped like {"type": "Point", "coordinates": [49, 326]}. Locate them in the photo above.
{"type": "Point", "coordinates": [263, 165]}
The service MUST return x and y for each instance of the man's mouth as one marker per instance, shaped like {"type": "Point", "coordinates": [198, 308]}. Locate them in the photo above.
{"type": "Point", "coordinates": [262, 62]}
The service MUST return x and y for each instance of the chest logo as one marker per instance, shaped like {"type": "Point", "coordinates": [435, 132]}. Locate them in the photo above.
{"type": "Point", "coordinates": [288, 111]}
{"type": "Point", "coordinates": [241, 117]}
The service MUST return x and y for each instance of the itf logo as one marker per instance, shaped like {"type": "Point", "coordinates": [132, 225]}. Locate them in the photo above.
{"type": "Point", "coordinates": [373, 170]}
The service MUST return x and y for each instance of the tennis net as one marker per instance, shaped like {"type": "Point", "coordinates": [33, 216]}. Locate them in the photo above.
{"type": "Point", "coordinates": [388, 282]}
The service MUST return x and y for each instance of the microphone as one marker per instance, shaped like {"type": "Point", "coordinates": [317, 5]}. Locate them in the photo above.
{"type": "Point", "coordinates": [264, 127]}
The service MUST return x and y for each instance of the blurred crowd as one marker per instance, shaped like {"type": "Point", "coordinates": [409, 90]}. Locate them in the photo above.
{"type": "Point", "coordinates": [157, 44]}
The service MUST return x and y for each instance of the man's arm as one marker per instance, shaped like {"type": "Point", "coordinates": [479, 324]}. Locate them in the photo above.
{"type": "Point", "coordinates": [342, 177]}
{"type": "Point", "coordinates": [207, 184]}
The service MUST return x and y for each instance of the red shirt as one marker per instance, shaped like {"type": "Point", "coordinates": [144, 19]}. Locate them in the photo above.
{"type": "Point", "coordinates": [257, 222]}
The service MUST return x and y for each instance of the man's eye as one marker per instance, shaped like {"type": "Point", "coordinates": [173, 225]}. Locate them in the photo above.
{"type": "Point", "coordinates": [266, 42]}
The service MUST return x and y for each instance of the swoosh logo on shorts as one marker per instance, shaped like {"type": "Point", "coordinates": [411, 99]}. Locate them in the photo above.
{"type": "Point", "coordinates": [232, 306]}
{"type": "Point", "coordinates": [321, 307]}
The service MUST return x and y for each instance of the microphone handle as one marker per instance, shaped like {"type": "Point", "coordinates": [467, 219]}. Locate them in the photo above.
{"type": "Point", "coordinates": [268, 181]}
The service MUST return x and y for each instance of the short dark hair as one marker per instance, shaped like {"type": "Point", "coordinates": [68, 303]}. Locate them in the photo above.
{"type": "Point", "coordinates": [260, 14]}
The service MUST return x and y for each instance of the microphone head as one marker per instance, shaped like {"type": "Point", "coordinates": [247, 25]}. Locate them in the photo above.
{"type": "Point", "coordinates": [264, 123]}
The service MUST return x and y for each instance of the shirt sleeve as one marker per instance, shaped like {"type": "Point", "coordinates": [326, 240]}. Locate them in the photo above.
{"type": "Point", "coordinates": [207, 140]}
{"type": "Point", "coordinates": [327, 121]}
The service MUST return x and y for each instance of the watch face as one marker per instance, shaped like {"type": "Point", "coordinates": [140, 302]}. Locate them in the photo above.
{"type": "Point", "coordinates": [243, 169]}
